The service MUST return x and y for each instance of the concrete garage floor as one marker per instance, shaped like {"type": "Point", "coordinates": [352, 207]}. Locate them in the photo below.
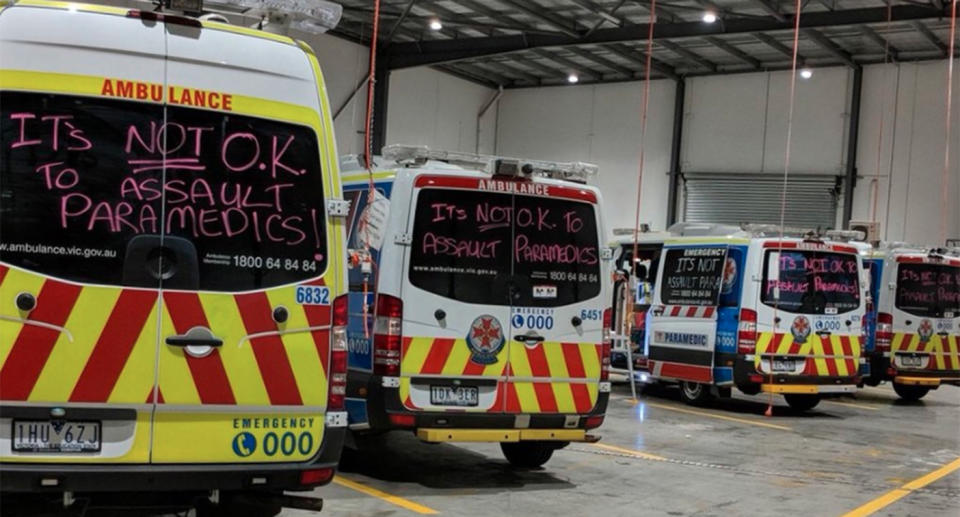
{"type": "Point", "coordinates": [661, 457]}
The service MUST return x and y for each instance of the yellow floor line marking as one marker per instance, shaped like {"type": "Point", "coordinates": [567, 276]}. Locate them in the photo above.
{"type": "Point", "coordinates": [379, 494]}
{"type": "Point", "coordinates": [721, 417]}
{"type": "Point", "coordinates": [852, 404]}
{"type": "Point", "coordinates": [898, 493]}
{"type": "Point", "coordinates": [631, 452]}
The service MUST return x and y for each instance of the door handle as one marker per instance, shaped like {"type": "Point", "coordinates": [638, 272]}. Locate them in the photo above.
{"type": "Point", "coordinates": [528, 338]}
{"type": "Point", "coordinates": [197, 336]}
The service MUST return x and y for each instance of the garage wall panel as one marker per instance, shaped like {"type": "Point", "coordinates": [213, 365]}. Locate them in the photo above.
{"type": "Point", "coordinates": [599, 124]}
{"type": "Point", "coordinates": [427, 107]}
{"type": "Point", "coordinates": [908, 180]}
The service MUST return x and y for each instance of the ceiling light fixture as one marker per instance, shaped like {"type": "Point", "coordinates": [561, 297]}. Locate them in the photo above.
{"type": "Point", "coordinates": [435, 24]}
{"type": "Point", "coordinates": [709, 17]}
{"type": "Point", "coordinates": [573, 78]}
{"type": "Point", "coordinates": [806, 73]}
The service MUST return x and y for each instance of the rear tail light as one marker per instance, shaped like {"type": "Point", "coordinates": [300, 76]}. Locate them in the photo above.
{"type": "Point", "coordinates": [338, 355]}
{"type": "Point", "coordinates": [747, 332]}
{"type": "Point", "coordinates": [884, 331]}
{"type": "Point", "coordinates": [607, 323]}
{"type": "Point", "coordinates": [314, 477]}
{"type": "Point", "coordinates": [605, 346]}
{"type": "Point", "coordinates": [387, 336]}
{"type": "Point", "coordinates": [401, 420]}
{"type": "Point", "coordinates": [593, 422]}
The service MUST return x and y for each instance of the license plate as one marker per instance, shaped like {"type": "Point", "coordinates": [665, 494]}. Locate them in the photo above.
{"type": "Point", "coordinates": [911, 361]}
{"type": "Point", "coordinates": [454, 396]}
{"type": "Point", "coordinates": [783, 365]}
{"type": "Point", "coordinates": [62, 436]}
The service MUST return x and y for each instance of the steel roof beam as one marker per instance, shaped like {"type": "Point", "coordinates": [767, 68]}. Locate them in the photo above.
{"type": "Point", "coordinates": [881, 42]}
{"type": "Point", "coordinates": [602, 61]}
{"type": "Point", "coordinates": [451, 68]}
{"type": "Point", "coordinates": [600, 11]}
{"type": "Point", "coordinates": [639, 57]}
{"type": "Point", "coordinates": [735, 52]}
{"type": "Point", "coordinates": [402, 55]}
{"type": "Point", "coordinates": [779, 47]}
{"type": "Point", "coordinates": [544, 15]}
{"type": "Point", "coordinates": [831, 47]}
{"type": "Point", "coordinates": [689, 54]}
{"type": "Point", "coordinates": [932, 38]}
{"type": "Point", "coordinates": [512, 72]}
{"type": "Point", "coordinates": [771, 9]}
{"type": "Point", "coordinates": [572, 66]}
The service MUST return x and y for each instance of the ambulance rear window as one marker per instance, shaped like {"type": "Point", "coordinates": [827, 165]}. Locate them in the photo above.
{"type": "Point", "coordinates": [811, 281]}
{"type": "Point", "coordinates": [930, 290]}
{"type": "Point", "coordinates": [479, 247]}
{"type": "Point", "coordinates": [90, 187]}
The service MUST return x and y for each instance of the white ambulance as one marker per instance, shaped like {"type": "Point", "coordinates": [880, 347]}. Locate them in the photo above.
{"type": "Point", "coordinates": [171, 318]}
{"type": "Point", "coordinates": [477, 301]}
{"type": "Point", "coordinates": [744, 308]}
{"type": "Point", "coordinates": [916, 326]}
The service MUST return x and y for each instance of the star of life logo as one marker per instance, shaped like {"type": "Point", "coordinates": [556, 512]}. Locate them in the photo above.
{"type": "Point", "coordinates": [485, 339]}
{"type": "Point", "coordinates": [800, 329]}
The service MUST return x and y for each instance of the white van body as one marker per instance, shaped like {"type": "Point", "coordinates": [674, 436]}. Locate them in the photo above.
{"type": "Point", "coordinates": [478, 353]}
{"type": "Point", "coordinates": [917, 322]}
{"type": "Point", "coordinates": [723, 315]}
{"type": "Point", "coordinates": [155, 334]}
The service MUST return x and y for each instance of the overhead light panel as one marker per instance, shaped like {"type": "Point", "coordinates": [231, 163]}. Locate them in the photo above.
{"type": "Point", "coordinates": [573, 78]}
{"type": "Point", "coordinates": [435, 24]}
{"type": "Point", "coordinates": [709, 17]}
{"type": "Point", "coordinates": [806, 73]}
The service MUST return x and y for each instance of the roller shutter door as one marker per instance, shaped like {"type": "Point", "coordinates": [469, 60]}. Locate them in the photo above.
{"type": "Point", "coordinates": [734, 198]}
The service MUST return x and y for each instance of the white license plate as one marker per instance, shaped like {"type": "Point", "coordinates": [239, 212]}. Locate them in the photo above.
{"type": "Point", "coordinates": [783, 365]}
{"type": "Point", "coordinates": [61, 436]}
{"type": "Point", "coordinates": [460, 396]}
{"type": "Point", "coordinates": [914, 361]}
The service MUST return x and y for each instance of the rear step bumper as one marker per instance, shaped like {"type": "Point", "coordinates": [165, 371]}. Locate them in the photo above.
{"type": "Point", "coordinates": [59, 477]}
{"type": "Point", "coordinates": [504, 435]}
{"type": "Point", "coordinates": [808, 389]}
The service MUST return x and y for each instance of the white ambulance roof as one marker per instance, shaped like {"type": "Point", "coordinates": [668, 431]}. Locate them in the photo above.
{"type": "Point", "coordinates": [79, 39]}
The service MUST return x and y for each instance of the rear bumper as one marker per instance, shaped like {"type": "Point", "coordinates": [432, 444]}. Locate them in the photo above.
{"type": "Point", "coordinates": [880, 368]}
{"type": "Point", "coordinates": [39, 477]}
{"type": "Point", "coordinates": [504, 435]}
{"type": "Point", "coordinates": [808, 389]}
{"type": "Point", "coordinates": [382, 403]}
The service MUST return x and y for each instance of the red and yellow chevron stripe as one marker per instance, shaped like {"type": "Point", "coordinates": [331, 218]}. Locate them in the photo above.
{"type": "Point", "coordinates": [551, 377]}
{"type": "Point", "coordinates": [833, 356]}
{"type": "Point", "coordinates": [944, 350]}
{"type": "Point", "coordinates": [98, 344]}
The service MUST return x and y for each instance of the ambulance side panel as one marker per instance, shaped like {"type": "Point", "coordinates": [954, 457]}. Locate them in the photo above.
{"type": "Point", "coordinates": [89, 345]}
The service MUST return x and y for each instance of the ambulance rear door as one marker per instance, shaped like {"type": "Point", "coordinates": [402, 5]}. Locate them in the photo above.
{"type": "Point", "coordinates": [456, 296]}
{"type": "Point", "coordinates": [810, 315]}
{"type": "Point", "coordinates": [253, 271]}
{"type": "Point", "coordinates": [558, 297]}
{"type": "Point", "coordinates": [926, 313]}
{"type": "Point", "coordinates": [683, 333]}
{"type": "Point", "coordinates": [78, 311]}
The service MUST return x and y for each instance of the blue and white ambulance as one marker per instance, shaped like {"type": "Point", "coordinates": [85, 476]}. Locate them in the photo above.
{"type": "Point", "coordinates": [745, 308]}
{"type": "Point", "coordinates": [914, 333]}
{"type": "Point", "coordinates": [477, 300]}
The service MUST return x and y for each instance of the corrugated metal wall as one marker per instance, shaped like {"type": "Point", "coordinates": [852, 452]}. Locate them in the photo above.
{"type": "Point", "coordinates": [734, 198]}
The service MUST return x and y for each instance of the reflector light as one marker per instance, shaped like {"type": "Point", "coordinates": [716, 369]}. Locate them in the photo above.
{"type": "Point", "coordinates": [593, 422]}
{"type": "Point", "coordinates": [400, 420]}
{"type": "Point", "coordinates": [315, 476]}
{"type": "Point", "coordinates": [387, 335]}
{"type": "Point", "coordinates": [884, 332]}
{"type": "Point", "coordinates": [338, 355]}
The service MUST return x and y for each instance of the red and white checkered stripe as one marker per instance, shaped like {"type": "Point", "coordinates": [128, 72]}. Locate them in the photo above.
{"type": "Point", "coordinates": [689, 311]}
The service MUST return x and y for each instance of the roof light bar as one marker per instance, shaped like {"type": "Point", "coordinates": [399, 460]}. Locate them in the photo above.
{"type": "Point", "coordinates": [577, 172]}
